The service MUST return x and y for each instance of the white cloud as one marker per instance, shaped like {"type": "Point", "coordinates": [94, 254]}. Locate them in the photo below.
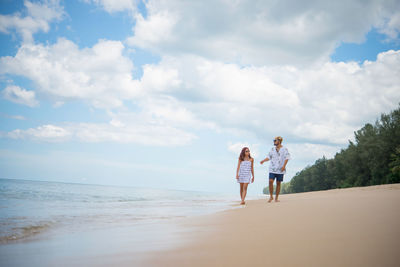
{"type": "Point", "coordinates": [49, 133]}
{"type": "Point", "coordinates": [115, 5]}
{"type": "Point", "coordinates": [58, 104]}
{"type": "Point", "coordinates": [391, 26]}
{"type": "Point", "coordinates": [236, 148]}
{"type": "Point", "coordinates": [159, 78]}
{"type": "Point", "coordinates": [260, 32]}
{"type": "Point", "coordinates": [310, 152]}
{"type": "Point", "coordinates": [154, 30]}
{"type": "Point", "coordinates": [315, 104]}
{"type": "Point", "coordinates": [101, 75]}
{"type": "Point", "coordinates": [167, 110]}
{"type": "Point", "coordinates": [115, 131]}
{"type": "Point", "coordinates": [187, 91]}
{"type": "Point", "coordinates": [320, 103]}
{"type": "Point", "coordinates": [18, 117]}
{"type": "Point", "coordinates": [145, 134]}
{"type": "Point", "coordinates": [38, 16]}
{"type": "Point", "coordinates": [19, 95]}
{"type": "Point", "coordinates": [15, 117]}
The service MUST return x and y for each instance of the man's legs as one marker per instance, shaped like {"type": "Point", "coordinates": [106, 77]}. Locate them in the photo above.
{"type": "Point", "coordinates": [278, 190]}
{"type": "Point", "coordinates": [271, 189]}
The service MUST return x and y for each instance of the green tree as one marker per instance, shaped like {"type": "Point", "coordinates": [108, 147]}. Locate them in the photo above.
{"type": "Point", "coordinates": [373, 158]}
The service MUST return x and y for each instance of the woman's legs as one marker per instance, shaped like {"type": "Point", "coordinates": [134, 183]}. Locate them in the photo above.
{"type": "Point", "coordinates": [241, 190]}
{"type": "Point", "coordinates": [244, 192]}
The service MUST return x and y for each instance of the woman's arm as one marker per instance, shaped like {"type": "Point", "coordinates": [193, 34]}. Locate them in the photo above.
{"type": "Point", "coordinates": [237, 170]}
{"type": "Point", "coordinates": [252, 170]}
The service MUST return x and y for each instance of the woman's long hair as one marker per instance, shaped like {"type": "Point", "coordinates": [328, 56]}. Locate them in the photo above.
{"type": "Point", "coordinates": [242, 154]}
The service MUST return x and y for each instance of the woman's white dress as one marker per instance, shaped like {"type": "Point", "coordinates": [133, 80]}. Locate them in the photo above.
{"type": "Point", "coordinates": [245, 172]}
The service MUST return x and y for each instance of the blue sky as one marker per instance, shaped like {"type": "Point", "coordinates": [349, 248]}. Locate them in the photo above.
{"type": "Point", "coordinates": [165, 94]}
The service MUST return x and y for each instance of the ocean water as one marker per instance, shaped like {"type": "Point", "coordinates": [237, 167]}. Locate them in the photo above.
{"type": "Point", "coordinates": [30, 209]}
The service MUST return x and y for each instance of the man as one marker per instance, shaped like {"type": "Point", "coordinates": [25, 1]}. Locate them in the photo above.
{"type": "Point", "coordinates": [279, 157]}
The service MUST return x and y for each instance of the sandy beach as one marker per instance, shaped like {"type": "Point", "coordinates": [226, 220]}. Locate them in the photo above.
{"type": "Point", "coordinates": [341, 227]}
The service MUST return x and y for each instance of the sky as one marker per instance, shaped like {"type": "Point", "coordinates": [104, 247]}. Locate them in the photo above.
{"type": "Point", "coordinates": [164, 94]}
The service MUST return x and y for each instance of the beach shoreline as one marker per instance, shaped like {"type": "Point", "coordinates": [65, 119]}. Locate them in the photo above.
{"type": "Point", "coordinates": [52, 224]}
{"type": "Point", "coordinates": [340, 227]}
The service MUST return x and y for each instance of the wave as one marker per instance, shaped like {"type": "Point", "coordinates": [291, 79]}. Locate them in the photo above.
{"type": "Point", "coordinates": [25, 232]}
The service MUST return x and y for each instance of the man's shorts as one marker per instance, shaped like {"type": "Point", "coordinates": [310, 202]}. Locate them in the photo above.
{"type": "Point", "coordinates": [279, 177]}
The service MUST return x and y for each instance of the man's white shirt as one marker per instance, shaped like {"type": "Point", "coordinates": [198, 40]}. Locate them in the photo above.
{"type": "Point", "coordinates": [277, 159]}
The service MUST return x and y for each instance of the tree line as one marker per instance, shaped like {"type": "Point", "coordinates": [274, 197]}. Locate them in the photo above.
{"type": "Point", "coordinates": [373, 158]}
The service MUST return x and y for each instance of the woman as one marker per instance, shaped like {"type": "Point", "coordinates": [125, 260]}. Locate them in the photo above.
{"type": "Point", "coordinates": [245, 172]}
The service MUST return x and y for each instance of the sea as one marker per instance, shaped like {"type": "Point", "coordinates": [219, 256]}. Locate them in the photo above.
{"type": "Point", "coordinates": [73, 220]}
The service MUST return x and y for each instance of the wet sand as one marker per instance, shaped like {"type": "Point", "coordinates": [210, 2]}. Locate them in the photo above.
{"type": "Point", "coordinates": [341, 227]}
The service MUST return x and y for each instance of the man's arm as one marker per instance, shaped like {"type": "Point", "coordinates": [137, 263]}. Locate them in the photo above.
{"type": "Point", "coordinates": [286, 161]}
{"type": "Point", "coordinates": [264, 160]}
{"type": "Point", "coordinates": [284, 165]}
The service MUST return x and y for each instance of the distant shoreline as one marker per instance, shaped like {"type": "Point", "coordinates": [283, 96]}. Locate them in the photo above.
{"type": "Point", "coordinates": [116, 185]}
